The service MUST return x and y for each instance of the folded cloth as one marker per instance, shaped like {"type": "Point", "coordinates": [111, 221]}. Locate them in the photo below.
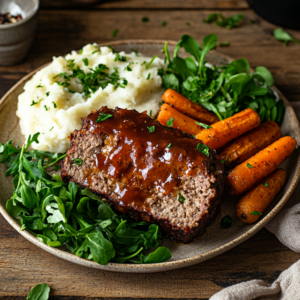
{"type": "Point", "coordinates": [286, 287]}
{"type": "Point", "coordinates": [286, 227]}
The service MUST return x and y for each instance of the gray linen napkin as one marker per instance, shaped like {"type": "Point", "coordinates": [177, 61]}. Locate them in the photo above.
{"type": "Point", "coordinates": [286, 226]}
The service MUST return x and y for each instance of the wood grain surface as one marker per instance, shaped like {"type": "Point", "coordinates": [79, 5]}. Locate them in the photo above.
{"type": "Point", "coordinates": [64, 26]}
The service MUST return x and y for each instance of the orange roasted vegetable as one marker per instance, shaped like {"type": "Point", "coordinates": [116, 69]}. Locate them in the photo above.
{"type": "Point", "coordinates": [189, 108]}
{"type": "Point", "coordinates": [257, 200]}
{"type": "Point", "coordinates": [250, 143]}
{"type": "Point", "coordinates": [170, 117]}
{"type": "Point", "coordinates": [247, 174]}
{"type": "Point", "coordinates": [226, 130]}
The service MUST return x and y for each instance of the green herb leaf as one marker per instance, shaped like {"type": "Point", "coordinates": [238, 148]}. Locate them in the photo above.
{"type": "Point", "coordinates": [150, 62]}
{"type": "Point", "coordinates": [150, 113]}
{"type": "Point", "coordinates": [222, 21]}
{"type": "Point", "coordinates": [169, 146]}
{"type": "Point", "coordinates": [224, 44]}
{"type": "Point", "coordinates": [266, 184]}
{"type": "Point", "coordinates": [114, 33]}
{"type": "Point", "coordinates": [39, 292]}
{"type": "Point", "coordinates": [187, 23]}
{"type": "Point", "coordinates": [284, 36]}
{"type": "Point", "coordinates": [151, 129]}
{"type": "Point", "coordinates": [163, 23]}
{"type": "Point", "coordinates": [148, 77]}
{"type": "Point", "coordinates": [170, 122]}
{"type": "Point", "coordinates": [161, 254]}
{"type": "Point", "coordinates": [39, 86]}
{"type": "Point", "coordinates": [85, 61]}
{"type": "Point", "coordinates": [249, 166]}
{"type": "Point", "coordinates": [145, 19]}
{"type": "Point", "coordinates": [203, 125]}
{"type": "Point", "coordinates": [266, 75]}
{"type": "Point", "coordinates": [256, 213]}
{"type": "Point", "coordinates": [103, 117]}
{"type": "Point", "coordinates": [78, 161]}
{"type": "Point", "coordinates": [226, 222]}
{"type": "Point", "coordinates": [135, 51]}
{"type": "Point", "coordinates": [203, 149]}
{"type": "Point", "coordinates": [47, 94]}
{"type": "Point", "coordinates": [180, 197]}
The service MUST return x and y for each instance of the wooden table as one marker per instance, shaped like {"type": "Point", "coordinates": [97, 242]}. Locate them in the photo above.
{"type": "Point", "coordinates": [64, 27]}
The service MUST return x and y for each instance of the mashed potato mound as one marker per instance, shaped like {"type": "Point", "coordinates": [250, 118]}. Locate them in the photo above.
{"type": "Point", "coordinates": [55, 109]}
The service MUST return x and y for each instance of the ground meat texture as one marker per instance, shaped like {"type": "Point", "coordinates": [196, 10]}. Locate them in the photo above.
{"type": "Point", "coordinates": [148, 171]}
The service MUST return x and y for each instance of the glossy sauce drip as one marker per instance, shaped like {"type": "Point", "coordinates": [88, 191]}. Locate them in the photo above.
{"type": "Point", "coordinates": [141, 160]}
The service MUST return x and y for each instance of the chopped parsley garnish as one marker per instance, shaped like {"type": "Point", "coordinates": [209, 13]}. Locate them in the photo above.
{"type": "Point", "coordinates": [203, 125]}
{"type": "Point", "coordinates": [45, 106]}
{"type": "Point", "coordinates": [47, 94]}
{"type": "Point", "coordinates": [203, 149]}
{"type": "Point", "coordinates": [163, 23]}
{"type": "Point", "coordinates": [151, 61]}
{"type": "Point", "coordinates": [249, 166]}
{"type": "Point", "coordinates": [81, 50]}
{"type": "Point", "coordinates": [143, 63]}
{"type": "Point", "coordinates": [256, 213]}
{"type": "Point", "coordinates": [102, 117]}
{"type": "Point", "coordinates": [148, 77]}
{"type": "Point", "coordinates": [54, 104]}
{"type": "Point", "coordinates": [114, 33]}
{"type": "Point", "coordinates": [145, 19]}
{"type": "Point", "coordinates": [51, 128]}
{"type": "Point", "coordinates": [151, 129]}
{"type": "Point", "coordinates": [135, 51]}
{"type": "Point", "coordinates": [224, 44]}
{"type": "Point", "coordinates": [160, 72]}
{"type": "Point", "coordinates": [170, 122]}
{"type": "Point", "coordinates": [78, 161]}
{"type": "Point", "coordinates": [180, 197]}
{"type": "Point", "coordinates": [23, 227]}
{"type": "Point", "coordinates": [226, 222]}
{"type": "Point", "coordinates": [120, 58]}
{"type": "Point", "coordinates": [96, 49]}
{"type": "Point", "coordinates": [39, 86]}
{"type": "Point", "coordinates": [85, 61]}
{"type": "Point", "coordinates": [222, 161]}
{"type": "Point", "coordinates": [266, 184]}
{"type": "Point", "coordinates": [222, 21]}
{"type": "Point", "coordinates": [169, 146]}
{"type": "Point", "coordinates": [128, 67]}
{"type": "Point", "coordinates": [71, 91]}
{"type": "Point", "coordinates": [150, 113]}
{"type": "Point", "coordinates": [187, 23]}
{"type": "Point", "coordinates": [34, 103]}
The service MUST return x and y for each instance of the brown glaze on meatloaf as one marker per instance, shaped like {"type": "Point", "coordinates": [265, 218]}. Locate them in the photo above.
{"type": "Point", "coordinates": [146, 170]}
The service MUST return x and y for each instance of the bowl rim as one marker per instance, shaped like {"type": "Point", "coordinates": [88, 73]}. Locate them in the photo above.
{"type": "Point", "coordinates": [168, 265]}
{"type": "Point", "coordinates": [30, 16]}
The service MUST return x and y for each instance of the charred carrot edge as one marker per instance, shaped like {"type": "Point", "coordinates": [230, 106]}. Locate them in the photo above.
{"type": "Point", "coordinates": [246, 175]}
{"type": "Point", "coordinates": [256, 201]}
{"type": "Point", "coordinates": [168, 115]}
{"type": "Point", "coordinates": [189, 108]}
{"type": "Point", "coordinates": [250, 143]}
{"type": "Point", "coordinates": [228, 129]}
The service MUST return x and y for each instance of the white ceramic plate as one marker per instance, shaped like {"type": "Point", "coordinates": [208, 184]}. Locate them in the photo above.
{"type": "Point", "coordinates": [216, 240]}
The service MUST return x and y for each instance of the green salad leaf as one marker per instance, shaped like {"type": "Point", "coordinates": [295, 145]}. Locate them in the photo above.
{"type": "Point", "coordinates": [222, 21]}
{"type": "Point", "coordinates": [39, 292]}
{"type": "Point", "coordinates": [58, 214]}
{"type": "Point", "coordinates": [224, 90]}
{"type": "Point", "coordinates": [282, 35]}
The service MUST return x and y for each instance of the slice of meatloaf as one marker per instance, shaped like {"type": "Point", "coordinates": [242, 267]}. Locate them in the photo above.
{"type": "Point", "coordinates": [151, 172]}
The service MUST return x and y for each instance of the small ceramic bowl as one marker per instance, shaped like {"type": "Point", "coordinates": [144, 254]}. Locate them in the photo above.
{"type": "Point", "coordinates": [16, 38]}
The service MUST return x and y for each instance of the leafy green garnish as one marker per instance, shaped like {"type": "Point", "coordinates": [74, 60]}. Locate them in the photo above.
{"type": "Point", "coordinates": [78, 161]}
{"type": "Point", "coordinates": [203, 149]}
{"type": "Point", "coordinates": [150, 113]}
{"type": "Point", "coordinates": [203, 125]}
{"type": "Point", "coordinates": [150, 62]}
{"type": "Point", "coordinates": [256, 213]}
{"type": "Point", "coordinates": [85, 61]}
{"type": "Point", "coordinates": [39, 292]}
{"type": "Point", "coordinates": [65, 214]}
{"type": "Point", "coordinates": [169, 146]}
{"type": "Point", "coordinates": [46, 107]}
{"type": "Point", "coordinates": [114, 33]}
{"type": "Point", "coordinates": [282, 35]}
{"type": "Point", "coordinates": [180, 197]}
{"type": "Point", "coordinates": [163, 23]}
{"type": "Point", "coordinates": [223, 90]}
{"type": "Point", "coordinates": [187, 23]}
{"type": "Point", "coordinates": [226, 222]}
{"type": "Point", "coordinates": [47, 94]}
{"type": "Point", "coordinates": [222, 21]}
{"type": "Point", "coordinates": [170, 122]}
{"type": "Point", "coordinates": [54, 104]}
{"type": "Point", "coordinates": [224, 44]}
{"type": "Point", "coordinates": [135, 51]}
{"type": "Point", "coordinates": [266, 184]}
{"type": "Point", "coordinates": [103, 117]}
{"type": "Point", "coordinates": [148, 77]}
{"type": "Point", "coordinates": [151, 129]}
{"type": "Point", "coordinates": [34, 103]}
{"type": "Point", "coordinates": [249, 166]}
{"type": "Point", "coordinates": [39, 86]}
{"type": "Point", "coordinates": [145, 19]}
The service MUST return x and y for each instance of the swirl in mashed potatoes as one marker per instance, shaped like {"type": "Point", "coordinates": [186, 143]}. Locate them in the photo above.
{"type": "Point", "coordinates": [69, 88]}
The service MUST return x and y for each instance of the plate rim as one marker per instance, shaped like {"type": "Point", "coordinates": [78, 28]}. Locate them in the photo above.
{"type": "Point", "coordinates": [168, 265]}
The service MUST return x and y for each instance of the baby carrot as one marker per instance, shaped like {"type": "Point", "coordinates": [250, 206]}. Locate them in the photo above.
{"type": "Point", "coordinates": [228, 129]}
{"type": "Point", "coordinates": [250, 143]}
{"type": "Point", "coordinates": [247, 174]}
{"type": "Point", "coordinates": [257, 200]}
{"type": "Point", "coordinates": [170, 117]}
{"type": "Point", "coordinates": [189, 108]}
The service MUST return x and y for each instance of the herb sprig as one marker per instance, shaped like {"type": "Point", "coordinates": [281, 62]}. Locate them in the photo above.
{"type": "Point", "coordinates": [65, 214]}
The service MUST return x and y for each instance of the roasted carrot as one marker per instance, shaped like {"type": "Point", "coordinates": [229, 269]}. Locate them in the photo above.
{"type": "Point", "coordinates": [189, 108]}
{"type": "Point", "coordinates": [247, 174]}
{"type": "Point", "coordinates": [170, 117]}
{"type": "Point", "coordinates": [256, 201]}
{"type": "Point", "coordinates": [250, 143]}
{"type": "Point", "coordinates": [228, 129]}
